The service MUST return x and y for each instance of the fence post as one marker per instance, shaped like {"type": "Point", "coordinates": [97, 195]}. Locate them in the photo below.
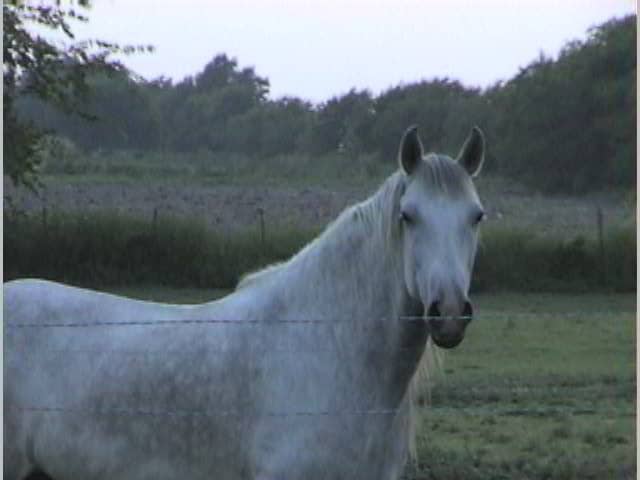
{"type": "Point", "coordinates": [603, 257]}
{"type": "Point", "coordinates": [262, 232]}
{"type": "Point", "coordinates": [44, 220]}
{"type": "Point", "coordinates": [154, 222]}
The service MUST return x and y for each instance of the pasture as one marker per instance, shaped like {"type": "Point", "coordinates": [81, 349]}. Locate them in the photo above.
{"type": "Point", "coordinates": [542, 387]}
{"type": "Point", "coordinates": [301, 197]}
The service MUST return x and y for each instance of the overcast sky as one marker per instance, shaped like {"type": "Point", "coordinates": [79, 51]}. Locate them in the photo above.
{"type": "Point", "coordinates": [316, 49]}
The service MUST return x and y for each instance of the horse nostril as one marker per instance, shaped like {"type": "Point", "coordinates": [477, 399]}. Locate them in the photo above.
{"type": "Point", "coordinates": [467, 313]}
{"type": "Point", "coordinates": [433, 315]}
{"type": "Point", "coordinates": [433, 311]}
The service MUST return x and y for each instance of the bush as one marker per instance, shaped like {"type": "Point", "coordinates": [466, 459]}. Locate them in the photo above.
{"type": "Point", "coordinates": [517, 260]}
{"type": "Point", "coordinates": [113, 249]}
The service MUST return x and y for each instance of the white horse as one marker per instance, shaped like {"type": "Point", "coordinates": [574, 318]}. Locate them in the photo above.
{"type": "Point", "coordinates": [303, 372]}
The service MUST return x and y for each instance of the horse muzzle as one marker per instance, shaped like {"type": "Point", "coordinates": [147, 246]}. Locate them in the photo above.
{"type": "Point", "coordinates": [448, 332]}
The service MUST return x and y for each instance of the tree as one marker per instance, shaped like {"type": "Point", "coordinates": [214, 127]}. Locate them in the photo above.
{"type": "Point", "coordinates": [57, 75]}
{"type": "Point", "coordinates": [431, 104]}
{"type": "Point", "coordinates": [202, 107]}
{"type": "Point", "coordinates": [342, 123]}
{"type": "Point", "coordinates": [567, 125]}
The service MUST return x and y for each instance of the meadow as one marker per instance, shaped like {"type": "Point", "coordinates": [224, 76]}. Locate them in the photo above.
{"type": "Point", "coordinates": [225, 190]}
{"type": "Point", "coordinates": [543, 387]}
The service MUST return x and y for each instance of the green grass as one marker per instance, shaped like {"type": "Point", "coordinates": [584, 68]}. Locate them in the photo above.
{"type": "Point", "coordinates": [208, 168]}
{"type": "Point", "coordinates": [543, 387]}
{"type": "Point", "coordinates": [111, 248]}
{"type": "Point", "coordinates": [519, 260]}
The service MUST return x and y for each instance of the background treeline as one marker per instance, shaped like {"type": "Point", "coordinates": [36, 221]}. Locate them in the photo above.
{"type": "Point", "coordinates": [565, 124]}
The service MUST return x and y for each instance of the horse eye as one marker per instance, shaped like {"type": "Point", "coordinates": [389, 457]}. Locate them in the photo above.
{"type": "Point", "coordinates": [405, 217]}
{"type": "Point", "coordinates": [480, 216]}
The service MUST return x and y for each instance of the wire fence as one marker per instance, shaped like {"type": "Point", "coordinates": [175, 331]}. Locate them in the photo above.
{"type": "Point", "coordinates": [302, 321]}
{"type": "Point", "coordinates": [205, 321]}
{"type": "Point", "coordinates": [185, 413]}
{"type": "Point", "coordinates": [294, 321]}
{"type": "Point", "coordinates": [136, 412]}
{"type": "Point", "coordinates": [199, 413]}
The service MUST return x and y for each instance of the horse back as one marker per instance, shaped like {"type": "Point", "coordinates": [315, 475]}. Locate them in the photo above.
{"type": "Point", "coordinates": [85, 370]}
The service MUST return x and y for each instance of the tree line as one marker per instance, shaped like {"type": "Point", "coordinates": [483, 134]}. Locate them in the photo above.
{"type": "Point", "coordinates": [559, 125]}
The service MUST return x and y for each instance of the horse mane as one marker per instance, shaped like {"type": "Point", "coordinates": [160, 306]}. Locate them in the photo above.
{"type": "Point", "coordinates": [253, 278]}
{"type": "Point", "coordinates": [364, 215]}
{"type": "Point", "coordinates": [442, 175]}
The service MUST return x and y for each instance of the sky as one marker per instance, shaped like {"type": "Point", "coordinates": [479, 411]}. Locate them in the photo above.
{"type": "Point", "coordinates": [316, 49]}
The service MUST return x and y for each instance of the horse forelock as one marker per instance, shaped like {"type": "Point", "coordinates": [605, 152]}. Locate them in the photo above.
{"type": "Point", "coordinates": [444, 176]}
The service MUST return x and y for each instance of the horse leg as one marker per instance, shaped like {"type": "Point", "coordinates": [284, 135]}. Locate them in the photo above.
{"type": "Point", "coordinates": [24, 471]}
{"type": "Point", "coordinates": [16, 465]}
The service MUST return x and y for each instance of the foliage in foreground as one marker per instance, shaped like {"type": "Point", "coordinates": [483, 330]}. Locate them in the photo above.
{"type": "Point", "coordinates": [53, 72]}
{"type": "Point", "coordinates": [113, 249]}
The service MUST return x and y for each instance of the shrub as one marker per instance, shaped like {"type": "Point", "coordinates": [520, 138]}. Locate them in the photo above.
{"type": "Point", "coordinates": [517, 260]}
{"type": "Point", "coordinates": [114, 249]}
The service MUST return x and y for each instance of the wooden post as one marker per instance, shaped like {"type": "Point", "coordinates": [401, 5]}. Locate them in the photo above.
{"type": "Point", "coordinates": [603, 258]}
{"type": "Point", "coordinates": [154, 222]}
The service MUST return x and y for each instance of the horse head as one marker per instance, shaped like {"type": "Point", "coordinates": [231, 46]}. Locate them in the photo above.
{"type": "Point", "coordinates": [439, 215]}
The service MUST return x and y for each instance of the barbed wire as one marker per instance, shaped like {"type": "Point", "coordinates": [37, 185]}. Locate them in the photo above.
{"type": "Point", "coordinates": [203, 351]}
{"type": "Point", "coordinates": [275, 414]}
{"type": "Point", "coordinates": [205, 321]}
{"type": "Point", "coordinates": [483, 411]}
{"type": "Point", "coordinates": [197, 413]}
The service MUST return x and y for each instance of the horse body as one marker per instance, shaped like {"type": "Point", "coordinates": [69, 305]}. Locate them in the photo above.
{"type": "Point", "coordinates": [98, 378]}
{"type": "Point", "coordinates": [302, 372]}
{"type": "Point", "coordinates": [244, 375]}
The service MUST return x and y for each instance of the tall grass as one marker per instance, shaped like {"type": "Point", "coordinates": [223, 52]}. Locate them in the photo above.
{"type": "Point", "coordinates": [114, 249]}
{"type": "Point", "coordinates": [516, 260]}
{"type": "Point", "coordinates": [205, 165]}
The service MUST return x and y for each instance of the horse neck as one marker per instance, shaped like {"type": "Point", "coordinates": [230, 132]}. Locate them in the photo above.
{"type": "Point", "coordinates": [354, 273]}
{"type": "Point", "coordinates": [355, 266]}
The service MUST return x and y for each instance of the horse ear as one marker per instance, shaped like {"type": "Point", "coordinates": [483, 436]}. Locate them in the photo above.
{"type": "Point", "coordinates": [410, 150]}
{"type": "Point", "coordinates": [471, 155]}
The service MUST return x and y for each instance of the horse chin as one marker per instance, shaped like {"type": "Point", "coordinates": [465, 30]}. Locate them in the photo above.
{"type": "Point", "coordinates": [447, 341]}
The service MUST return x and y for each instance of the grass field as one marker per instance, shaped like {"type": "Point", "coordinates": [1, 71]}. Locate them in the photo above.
{"type": "Point", "coordinates": [543, 387]}
{"type": "Point", "coordinates": [307, 198]}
